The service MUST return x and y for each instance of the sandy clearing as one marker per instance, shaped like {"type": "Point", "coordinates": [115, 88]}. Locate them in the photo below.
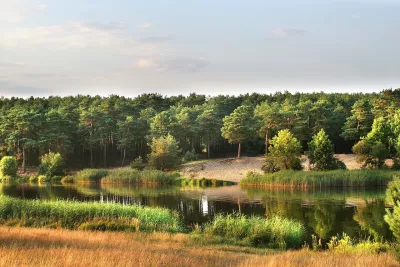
{"type": "Point", "coordinates": [233, 169]}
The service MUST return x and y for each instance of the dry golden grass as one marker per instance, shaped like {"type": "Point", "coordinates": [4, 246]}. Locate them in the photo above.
{"type": "Point", "coordinates": [43, 247]}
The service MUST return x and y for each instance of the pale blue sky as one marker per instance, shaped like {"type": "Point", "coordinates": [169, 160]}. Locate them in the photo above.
{"type": "Point", "coordinates": [54, 47]}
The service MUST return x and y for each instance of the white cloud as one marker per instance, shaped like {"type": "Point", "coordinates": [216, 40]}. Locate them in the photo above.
{"type": "Point", "coordinates": [11, 11]}
{"type": "Point", "coordinates": [71, 35]}
{"type": "Point", "coordinates": [42, 6]}
{"type": "Point", "coordinates": [146, 25]}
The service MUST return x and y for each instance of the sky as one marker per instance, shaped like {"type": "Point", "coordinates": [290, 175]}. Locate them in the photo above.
{"type": "Point", "coordinates": [171, 47]}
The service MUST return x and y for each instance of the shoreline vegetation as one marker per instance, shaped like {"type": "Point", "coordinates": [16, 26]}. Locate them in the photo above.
{"type": "Point", "coordinates": [60, 247]}
{"type": "Point", "coordinates": [320, 179]}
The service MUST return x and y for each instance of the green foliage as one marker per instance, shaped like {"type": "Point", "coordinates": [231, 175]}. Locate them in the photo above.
{"type": "Point", "coordinates": [392, 216]}
{"type": "Point", "coordinates": [344, 244]}
{"type": "Point", "coordinates": [73, 215]}
{"type": "Point", "coordinates": [128, 175]}
{"type": "Point", "coordinates": [43, 179]}
{"type": "Point", "coordinates": [360, 121]}
{"type": "Point", "coordinates": [284, 153]}
{"type": "Point", "coordinates": [256, 231]}
{"type": "Point", "coordinates": [239, 127]}
{"type": "Point", "coordinates": [8, 167]}
{"type": "Point", "coordinates": [312, 179]}
{"type": "Point", "coordinates": [164, 153]}
{"type": "Point", "coordinates": [137, 163]}
{"type": "Point", "coordinates": [111, 224]}
{"type": "Point", "coordinates": [370, 154]}
{"type": "Point", "coordinates": [90, 175]}
{"type": "Point", "coordinates": [190, 156]}
{"type": "Point", "coordinates": [321, 153]}
{"type": "Point", "coordinates": [52, 164]}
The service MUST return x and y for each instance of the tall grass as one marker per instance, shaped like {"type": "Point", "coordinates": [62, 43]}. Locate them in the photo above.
{"type": "Point", "coordinates": [75, 215]}
{"type": "Point", "coordinates": [90, 175]}
{"type": "Point", "coordinates": [256, 231]}
{"type": "Point", "coordinates": [127, 175]}
{"type": "Point", "coordinates": [319, 179]}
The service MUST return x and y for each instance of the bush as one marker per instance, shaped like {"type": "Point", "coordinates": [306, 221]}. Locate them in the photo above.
{"type": "Point", "coordinates": [256, 231]}
{"type": "Point", "coordinates": [33, 179]}
{"type": "Point", "coordinates": [138, 164]}
{"type": "Point", "coordinates": [52, 164]}
{"type": "Point", "coordinates": [190, 156]}
{"type": "Point", "coordinates": [164, 153]}
{"type": "Point", "coordinates": [371, 154]}
{"type": "Point", "coordinates": [43, 179]}
{"type": "Point", "coordinates": [284, 153]}
{"type": "Point", "coordinates": [8, 167]}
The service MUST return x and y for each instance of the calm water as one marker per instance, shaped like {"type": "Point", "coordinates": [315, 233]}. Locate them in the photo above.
{"type": "Point", "coordinates": [325, 213]}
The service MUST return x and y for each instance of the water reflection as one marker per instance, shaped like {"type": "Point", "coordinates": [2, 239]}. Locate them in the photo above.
{"type": "Point", "coordinates": [357, 212]}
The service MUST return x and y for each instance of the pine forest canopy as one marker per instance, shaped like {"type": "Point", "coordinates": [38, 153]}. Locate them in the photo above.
{"type": "Point", "coordinates": [107, 131]}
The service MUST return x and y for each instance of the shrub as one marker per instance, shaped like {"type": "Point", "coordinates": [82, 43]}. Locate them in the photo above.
{"type": "Point", "coordinates": [52, 164]}
{"type": "Point", "coordinates": [190, 156]}
{"type": "Point", "coordinates": [43, 179]}
{"type": "Point", "coordinates": [8, 167]}
{"type": "Point", "coordinates": [164, 153]}
{"type": "Point", "coordinates": [256, 231]}
{"type": "Point", "coordinates": [137, 163]}
{"type": "Point", "coordinates": [33, 179]}
{"type": "Point", "coordinates": [284, 153]}
{"type": "Point", "coordinates": [67, 179]}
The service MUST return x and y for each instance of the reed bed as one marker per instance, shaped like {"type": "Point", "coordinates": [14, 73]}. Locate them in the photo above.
{"type": "Point", "coordinates": [90, 175]}
{"type": "Point", "coordinates": [320, 179]}
{"type": "Point", "coordinates": [204, 182]}
{"type": "Point", "coordinates": [127, 175]}
{"type": "Point", "coordinates": [274, 232]}
{"type": "Point", "coordinates": [86, 215]}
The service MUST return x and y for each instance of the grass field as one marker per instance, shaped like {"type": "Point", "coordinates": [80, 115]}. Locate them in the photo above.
{"type": "Point", "coordinates": [45, 247]}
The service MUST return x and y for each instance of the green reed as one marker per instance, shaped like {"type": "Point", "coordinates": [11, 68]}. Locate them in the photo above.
{"type": "Point", "coordinates": [75, 215]}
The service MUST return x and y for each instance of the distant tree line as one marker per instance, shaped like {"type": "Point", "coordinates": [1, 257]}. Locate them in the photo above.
{"type": "Point", "coordinates": [94, 131]}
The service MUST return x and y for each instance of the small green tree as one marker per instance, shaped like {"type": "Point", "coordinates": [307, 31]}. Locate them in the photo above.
{"type": "Point", "coordinates": [371, 154]}
{"type": "Point", "coordinates": [321, 153]}
{"type": "Point", "coordinates": [52, 164]}
{"type": "Point", "coordinates": [164, 153]}
{"type": "Point", "coordinates": [239, 127]}
{"type": "Point", "coordinates": [285, 151]}
{"type": "Point", "coordinates": [8, 167]}
{"type": "Point", "coordinates": [392, 216]}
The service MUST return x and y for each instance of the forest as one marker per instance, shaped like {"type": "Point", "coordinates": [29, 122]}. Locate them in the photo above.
{"type": "Point", "coordinates": [94, 131]}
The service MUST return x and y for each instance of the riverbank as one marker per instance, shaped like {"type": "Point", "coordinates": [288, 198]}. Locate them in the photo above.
{"type": "Point", "coordinates": [45, 247]}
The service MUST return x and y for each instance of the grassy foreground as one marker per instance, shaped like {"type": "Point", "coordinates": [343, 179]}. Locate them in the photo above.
{"type": "Point", "coordinates": [47, 247]}
{"type": "Point", "coordinates": [86, 215]}
{"type": "Point", "coordinates": [320, 179]}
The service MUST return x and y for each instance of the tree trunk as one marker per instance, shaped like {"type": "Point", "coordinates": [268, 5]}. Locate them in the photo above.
{"type": "Point", "coordinates": [239, 150]}
{"type": "Point", "coordinates": [91, 157]}
{"type": "Point", "coordinates": [23, 160]}
{"type": "Point", "coordinates": [266, 142]}
{"type": "Point", "coordinates": [105, 155]}
{"type": "Point", "coordinates": [123, 159]}
{"type": "Point", "coordinates": [208, 149]}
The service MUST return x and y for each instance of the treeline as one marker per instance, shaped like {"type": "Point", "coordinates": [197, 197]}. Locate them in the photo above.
{"type": "Point", "coordinates": [110, 131]}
